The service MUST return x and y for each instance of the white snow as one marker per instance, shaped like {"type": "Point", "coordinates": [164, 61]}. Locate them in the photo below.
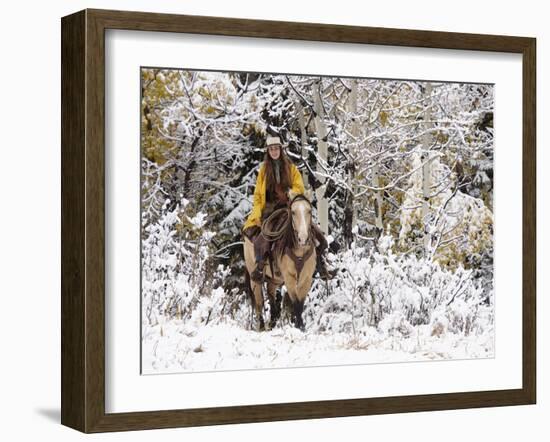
{"type": "Point", "coordinates": [179, 348]}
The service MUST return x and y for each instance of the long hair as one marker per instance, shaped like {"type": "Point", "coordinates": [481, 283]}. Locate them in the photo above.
{"type": "Point", "coordinates": [271, 181]}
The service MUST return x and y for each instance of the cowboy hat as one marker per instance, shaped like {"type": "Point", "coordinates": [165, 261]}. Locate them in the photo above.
{"type": "Point", "coordinates": [273, 140]}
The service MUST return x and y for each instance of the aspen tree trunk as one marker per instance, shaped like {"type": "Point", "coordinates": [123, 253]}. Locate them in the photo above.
{"type": "Point", "coordinates": [350, 210]}
{"type": "Point", "coordinates": [378, 198]}
{"type": "Point", "coordinates": [426, 173]}
{"type": "Point", "coordinates": [322, 151]}
{"type": "Point", "coordinates": [303, 137]}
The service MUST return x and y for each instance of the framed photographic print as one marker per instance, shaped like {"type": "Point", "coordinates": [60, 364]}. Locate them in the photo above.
{"type": "Point", "coordinates": [270, 220]}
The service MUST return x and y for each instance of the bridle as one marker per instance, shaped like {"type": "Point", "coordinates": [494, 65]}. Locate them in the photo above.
{"type": "Point", "coordinates": [299, 261]}
{"type": "Point", "coordinates": [299, 197]}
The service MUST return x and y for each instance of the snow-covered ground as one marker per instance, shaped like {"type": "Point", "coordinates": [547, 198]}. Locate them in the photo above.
{"type": "Point", "coordinates": [174, 347]}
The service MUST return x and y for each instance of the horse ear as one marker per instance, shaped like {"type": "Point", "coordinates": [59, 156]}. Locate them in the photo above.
{"type": "Point", "coordinates": [308, 194]}
{"type": "Point", "coordinates": [291, 194]}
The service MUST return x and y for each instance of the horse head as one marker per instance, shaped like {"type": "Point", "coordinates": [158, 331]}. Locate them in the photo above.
{"type": "Point", "coordinates": [300, 213]}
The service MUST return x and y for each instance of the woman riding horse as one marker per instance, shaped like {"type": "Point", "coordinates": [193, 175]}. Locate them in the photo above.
{"type": "Point", "coordinates": [277, 176]}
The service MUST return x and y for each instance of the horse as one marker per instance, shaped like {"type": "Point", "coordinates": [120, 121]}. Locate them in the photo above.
{"type": "Point", "coordinates": [293, 260]}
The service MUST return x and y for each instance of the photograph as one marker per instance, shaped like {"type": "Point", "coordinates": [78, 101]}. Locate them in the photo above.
{"type": "Point", "coordinates": [294, 220]}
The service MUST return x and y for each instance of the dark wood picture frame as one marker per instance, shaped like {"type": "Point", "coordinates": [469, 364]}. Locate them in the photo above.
{"type": "Point", "coordinates": [83, 220]}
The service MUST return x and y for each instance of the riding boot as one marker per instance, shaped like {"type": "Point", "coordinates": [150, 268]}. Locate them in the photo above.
{"type": "Point", "coordinates": [322, 245]}
{"type": "Point", "coordinates": [321, 267]}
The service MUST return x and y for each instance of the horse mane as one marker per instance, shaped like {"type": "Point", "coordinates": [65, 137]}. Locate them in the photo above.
{"type": "Point", "coordinates": [287, 238]}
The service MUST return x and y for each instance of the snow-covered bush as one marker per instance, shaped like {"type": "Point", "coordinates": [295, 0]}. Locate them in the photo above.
{"type": "Point", "coordinates": [174, 263]}
{"type": "Point", "coordinates": [395, 293]}
{"type": "Point", "coordinates": [180, 278]}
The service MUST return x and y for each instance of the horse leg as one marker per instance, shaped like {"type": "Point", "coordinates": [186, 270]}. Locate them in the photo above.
{"type": "Point", "coordinates": [298, 297]}
{"type": "Point", "coordinates": [258, 303]}
{"type": "Point", "coordinates": [274, 304]}
{"type": "Point", "coordinates": [302, 288]}
{"type": "Point", "coordinates": [298, 309]}
{"type": "Point", "coordinates": [253, 288]}
{"type": "Point", "coordinates": [286, 307]}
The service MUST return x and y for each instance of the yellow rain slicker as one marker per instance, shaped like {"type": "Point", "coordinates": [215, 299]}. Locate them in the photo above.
{"type": "Point", "coordinates": [296, 184]}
